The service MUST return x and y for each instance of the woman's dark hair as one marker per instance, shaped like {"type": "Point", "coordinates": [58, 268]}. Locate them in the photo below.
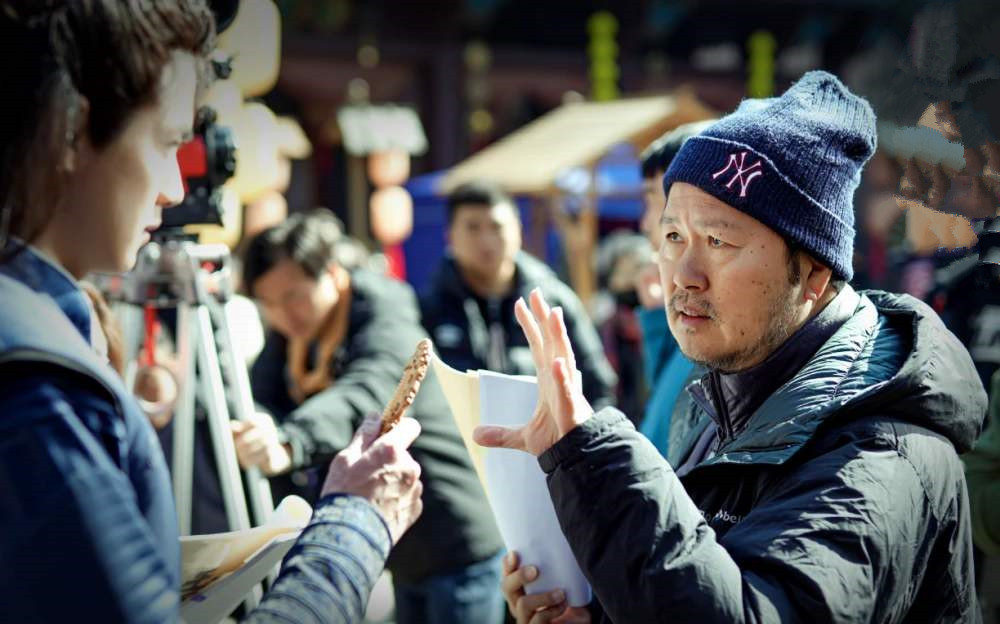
{"type": "Point", "coordinates": [310, 240]}
{"type": "Point", "coordinates": [58, 53]}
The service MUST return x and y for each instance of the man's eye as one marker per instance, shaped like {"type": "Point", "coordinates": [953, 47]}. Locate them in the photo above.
{"type": "Point", "coordinates": [715, 242]}
{"type": "Point", "coordinates": [673, 237]}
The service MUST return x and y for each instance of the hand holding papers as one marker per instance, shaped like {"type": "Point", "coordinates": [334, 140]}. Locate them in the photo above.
{"type": "Point", "coordinates": [514, 483]}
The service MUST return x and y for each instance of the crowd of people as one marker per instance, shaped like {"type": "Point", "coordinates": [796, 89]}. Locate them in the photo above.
{"type": "Point", "coordinates": [785, 418]}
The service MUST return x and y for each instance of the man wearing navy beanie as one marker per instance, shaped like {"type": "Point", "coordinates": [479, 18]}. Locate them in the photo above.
{"type": "Point", "coordinates": [820, 480]}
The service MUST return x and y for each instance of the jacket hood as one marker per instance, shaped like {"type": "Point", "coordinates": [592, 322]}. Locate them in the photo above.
{"type": "Point", "coordinates": [937, 385]}
{"type": "Point", "coordinates": [894, 357]}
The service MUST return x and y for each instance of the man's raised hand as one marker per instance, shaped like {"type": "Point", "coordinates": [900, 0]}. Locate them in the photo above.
{"type": "Point", "coordinates": [561, 404]}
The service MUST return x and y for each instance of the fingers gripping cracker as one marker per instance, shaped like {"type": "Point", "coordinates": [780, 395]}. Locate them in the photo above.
{"type": "Point", "coordinates": [409, 385]}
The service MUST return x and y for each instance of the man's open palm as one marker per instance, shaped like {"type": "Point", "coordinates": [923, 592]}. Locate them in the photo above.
{"type": "Point", "coordinates": [561, 404]}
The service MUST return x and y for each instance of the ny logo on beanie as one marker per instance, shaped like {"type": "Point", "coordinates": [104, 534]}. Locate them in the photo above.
{"type": "Point", "coordinates": [745, 176]}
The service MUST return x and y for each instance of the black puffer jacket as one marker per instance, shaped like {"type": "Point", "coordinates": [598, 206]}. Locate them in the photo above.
{"type": "Point", "coordinates": [456, 528]}
{"type": "Point", "coordinates": [459, 322]}
{"type": "Point", "coordinates": [842, 500]}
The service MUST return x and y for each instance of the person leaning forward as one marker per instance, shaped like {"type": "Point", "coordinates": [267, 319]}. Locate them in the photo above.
{"type": "Point", "coordinates": [338, 341]}
{"type": "Point", "coordinates": [821, 481]}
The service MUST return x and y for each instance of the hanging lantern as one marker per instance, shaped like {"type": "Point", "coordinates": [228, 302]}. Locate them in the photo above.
{"type": "Point", "coordinates": [257, 168]}
{"type": "Point", "coordinates": [388, 167]}
{"type": "Point", "coordinates": [391, 215]}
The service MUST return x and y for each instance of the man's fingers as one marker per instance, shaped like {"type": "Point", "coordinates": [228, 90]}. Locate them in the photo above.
{"type": "Point", "coordinates": [251, 457]}
{"type": "Point", "coordinates": [542, 313]}
{"type": "Point", "coordinates": [531, 331]}
{"type": "Point", "coordinates": [538, 305]}
{"type": "Point", "coordinates": [239, 426]}
{"type": "Point", "coordinates": [510, 562]}
{"type": "Point", "coordinates": [401, 436]}
{"type": "Point", "coordinates": [498, 437]}
{"type": "Point", "coordinates": [528, 605]}
{"type": "Point", "coordinates": [574, 615]}
{"type": "Point", "coordinates": [397, 481]}
{"type": "Point", "coordinates": [363, 436]}
{"type": "Point", "coordinates": [564, 393]}
{"type": "Point", "coordinates": [560, 339]}
{"type": "Point", "coordinates": [513, 582]}
{"type": "Point", "coordinates": [548, 614]}
{"type": "Point", "coordinates": [385, 453]}
{"type": "Point", "coordinates": [369, 429]}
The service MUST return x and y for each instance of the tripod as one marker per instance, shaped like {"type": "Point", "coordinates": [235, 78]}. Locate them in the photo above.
{"type": "Point", "coordinates": [197, 281]}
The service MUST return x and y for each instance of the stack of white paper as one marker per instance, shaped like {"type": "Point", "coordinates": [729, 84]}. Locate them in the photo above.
{"type": "Point", "coordinates": [513, 481]}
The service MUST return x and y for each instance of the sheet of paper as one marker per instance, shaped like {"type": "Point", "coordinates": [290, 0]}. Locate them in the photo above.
{"type": "Point", "coordinates": [461, 390]}
{"type": "Point", "coordinates": [207, 558]}
{"type": "Point", "coordinates": [212, 604]}
{"type": "Point", "coordinates": [519, 495]}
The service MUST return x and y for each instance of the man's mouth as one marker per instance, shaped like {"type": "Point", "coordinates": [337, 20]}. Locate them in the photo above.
{"type": "Point", "coordinates": [691, 315]}
{"type": "Point", "coordinates": [693, 312]}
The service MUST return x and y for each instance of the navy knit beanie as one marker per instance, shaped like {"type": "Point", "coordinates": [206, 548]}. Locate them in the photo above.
{"type": "Point", "coordinates": [791, 162]}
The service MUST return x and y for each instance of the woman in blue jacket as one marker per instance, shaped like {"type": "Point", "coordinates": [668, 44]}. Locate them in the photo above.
{"type": "Point", "coordinates": [100, 96]}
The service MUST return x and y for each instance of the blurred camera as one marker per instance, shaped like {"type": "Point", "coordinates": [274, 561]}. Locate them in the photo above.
{"type": "Point", "coordinates": [209, 159]}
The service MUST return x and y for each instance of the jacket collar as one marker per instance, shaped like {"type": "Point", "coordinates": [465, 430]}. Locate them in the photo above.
{"type": "Point", "coordinates": [42, 274]}
{"type": "Point", "coordinates": [732, 398]}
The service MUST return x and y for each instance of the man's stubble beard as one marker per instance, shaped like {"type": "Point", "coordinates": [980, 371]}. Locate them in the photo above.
{"type": "Point", "coordinates": [782, 324]}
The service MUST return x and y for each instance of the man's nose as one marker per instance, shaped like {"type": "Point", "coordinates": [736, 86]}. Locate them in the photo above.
{"type": "Point", "coordinates": [688, 272]}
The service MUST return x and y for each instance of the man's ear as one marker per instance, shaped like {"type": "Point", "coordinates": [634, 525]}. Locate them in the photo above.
{"type": "Point", "coordinates": [77, 148]}
{"type": "Point", "coordinates": [817, 277]}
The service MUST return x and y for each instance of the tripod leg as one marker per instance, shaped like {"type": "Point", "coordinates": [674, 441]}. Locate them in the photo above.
{"type": "Point", "coordinates": [130, 319]}
{"type": "Point", "coordinates": [213, 392]}
{"type": "Point", "coordinates": [258, 487]}
{"type": "Point", "coordinates": [182, 465]}
{"type": "Point", "coordinates": [214, 395]}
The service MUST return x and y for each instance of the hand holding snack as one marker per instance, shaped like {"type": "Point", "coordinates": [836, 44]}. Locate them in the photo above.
{"type": "Point", "coordinates": [379, 468]}
{"type": "Point", "coordinates": [376, 465]}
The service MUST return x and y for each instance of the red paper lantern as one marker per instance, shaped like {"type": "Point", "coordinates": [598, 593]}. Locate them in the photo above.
{"type": "Point", "coordinates": [391, 215]}
{"type": "Point", "coordinates": [388, 168]}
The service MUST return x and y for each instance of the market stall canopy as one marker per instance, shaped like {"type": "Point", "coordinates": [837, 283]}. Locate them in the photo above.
{"type": "Point", "coordinates": [529, 160]}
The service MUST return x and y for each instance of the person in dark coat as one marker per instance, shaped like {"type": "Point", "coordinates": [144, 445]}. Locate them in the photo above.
{"type": "Point", "coordinates": [102, 95]}
{"type": "Point", "coordinates": [468, 309]}
{"type": "Point", "coordinates": [337, 345]}
{"type": "Point", "coordinates": [820, 480]}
